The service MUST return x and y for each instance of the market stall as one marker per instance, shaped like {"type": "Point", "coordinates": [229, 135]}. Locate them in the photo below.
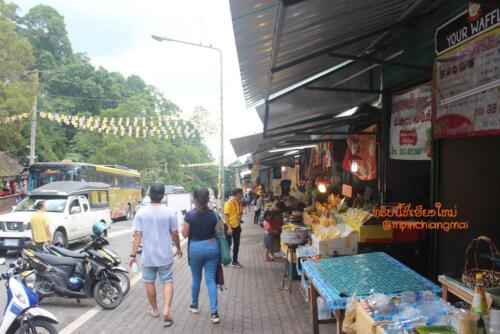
{"type": "Point", "coordinates": [395, 140]}
{"type": "Point", "coordinates": [11, 184]}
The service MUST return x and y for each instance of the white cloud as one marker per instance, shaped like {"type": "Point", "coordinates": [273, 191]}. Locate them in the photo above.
{"type": "Point", "coordinates": [116, 34]}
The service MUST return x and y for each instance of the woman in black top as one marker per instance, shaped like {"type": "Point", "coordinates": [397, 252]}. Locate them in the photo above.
{"type": "Point", "coordinates": [200, 227]}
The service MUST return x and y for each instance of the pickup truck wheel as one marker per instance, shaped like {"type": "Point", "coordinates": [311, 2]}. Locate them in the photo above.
{"type": "Point", "coordinates": [60, 238]}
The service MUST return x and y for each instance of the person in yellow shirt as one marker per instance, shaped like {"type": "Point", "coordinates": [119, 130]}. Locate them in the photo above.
{"type": "Point", "coordinates": [233, 210]}
{"type": "Point", "coordinates": [40, 226]}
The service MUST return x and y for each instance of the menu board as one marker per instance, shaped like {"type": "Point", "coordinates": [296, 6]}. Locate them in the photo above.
{"type": "Point", "coordinates": [411, 129]}
{"type": "Point", "coordinates": [466, 89]}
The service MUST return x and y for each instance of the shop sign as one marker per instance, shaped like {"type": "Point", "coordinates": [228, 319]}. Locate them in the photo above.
{"type": "Point", "coordinates": [462, 28]}
{"type": "Point", "coordinates": [466, 89]}
{"type": "Point", "coordinates": [411, 129]}
{"type": "Point", "coordinates": [347, 190]}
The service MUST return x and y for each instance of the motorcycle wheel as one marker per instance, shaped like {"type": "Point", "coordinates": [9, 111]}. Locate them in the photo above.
{"type": "Point", "coordinates": [43, 288]}
{"type": "Point", "coordinates": [40, 326]}
{"type": "Point", "coordinates": [124, 281]}
{"type": "Point", "coordinates": [108, 294]}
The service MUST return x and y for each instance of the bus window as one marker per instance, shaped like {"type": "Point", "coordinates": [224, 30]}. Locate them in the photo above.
{"type": "Point", "coordinates": [94, 199]}
{"type": "Point", "coordinates": [103, 197]}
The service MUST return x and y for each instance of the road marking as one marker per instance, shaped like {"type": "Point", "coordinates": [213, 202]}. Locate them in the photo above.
{"type": "Point", "coordinates": [78, 322]}
{"type": "Point", "coordinates": [118, 233]}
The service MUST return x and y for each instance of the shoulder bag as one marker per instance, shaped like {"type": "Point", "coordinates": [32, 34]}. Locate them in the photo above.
{"type": "Point", "coordinates": [225, 250]}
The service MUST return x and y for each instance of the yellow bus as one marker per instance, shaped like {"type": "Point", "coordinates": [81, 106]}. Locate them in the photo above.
{"type": "Point", "coordinates": [125, 183]}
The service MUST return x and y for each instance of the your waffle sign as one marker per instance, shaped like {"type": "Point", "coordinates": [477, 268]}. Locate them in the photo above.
{"type": "Point", "coordinates": [470, 23]}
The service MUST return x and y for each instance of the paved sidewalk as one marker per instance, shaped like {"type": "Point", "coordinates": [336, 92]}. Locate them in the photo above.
{"type": "Point", "coordinates": [254, 301]}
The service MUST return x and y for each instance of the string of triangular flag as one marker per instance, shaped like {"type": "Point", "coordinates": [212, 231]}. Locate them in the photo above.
{"type": "Point", "coordinates": [14, 118]}
{"type": "Point", "coordinates": [140, 127]}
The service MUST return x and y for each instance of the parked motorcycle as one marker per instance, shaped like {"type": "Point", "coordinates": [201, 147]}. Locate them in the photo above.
{"type": "Point", "coordinates": [22, 314]}
{"type": "Point", "coordinates": [75, 278]}
{"type": "Point", "coordinates": [96, 250]}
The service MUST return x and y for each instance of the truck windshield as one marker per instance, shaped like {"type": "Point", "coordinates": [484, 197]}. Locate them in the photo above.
{"type": "Point", "coordinates": [52, 204]}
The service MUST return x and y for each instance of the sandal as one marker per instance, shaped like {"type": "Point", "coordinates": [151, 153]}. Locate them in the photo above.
{"type": "Point", "coordinates": [167, 322]}
{"type": "Point", "coordinates": [152, 315]}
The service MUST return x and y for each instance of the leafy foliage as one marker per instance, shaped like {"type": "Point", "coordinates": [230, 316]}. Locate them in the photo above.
{"type": "Point", "coordinates": [70, 84]}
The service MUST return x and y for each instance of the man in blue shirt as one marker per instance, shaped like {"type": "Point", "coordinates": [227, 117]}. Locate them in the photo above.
{"type": "Point", "coordinates": [156, 226]}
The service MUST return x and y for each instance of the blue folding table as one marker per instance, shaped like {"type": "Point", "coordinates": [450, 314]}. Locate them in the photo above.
{"type": "Point", "coordinates": [336, 280]}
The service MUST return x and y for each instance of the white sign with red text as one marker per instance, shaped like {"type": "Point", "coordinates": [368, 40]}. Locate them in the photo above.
{"type": "Point", "coordinates": [411, 128]}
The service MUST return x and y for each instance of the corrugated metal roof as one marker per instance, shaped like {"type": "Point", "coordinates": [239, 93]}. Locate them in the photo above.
{"type": "Point", "coordinates": [308, 27]}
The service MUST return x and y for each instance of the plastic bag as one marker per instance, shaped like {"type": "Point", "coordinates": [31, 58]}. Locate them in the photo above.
{"type": "Point", "coordinates": [349, 325]}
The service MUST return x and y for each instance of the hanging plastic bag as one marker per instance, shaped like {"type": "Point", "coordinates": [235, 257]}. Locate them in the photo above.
{"type": "Point", "coordinates": [349, 325]}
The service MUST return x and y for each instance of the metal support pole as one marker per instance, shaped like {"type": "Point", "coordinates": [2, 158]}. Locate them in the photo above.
{"type": "Point", "coordinates": [221, 172]}
{"type": "Point", "coordinates": [32, 156]}
{"type": "Point", "coordinates": [221, 196]}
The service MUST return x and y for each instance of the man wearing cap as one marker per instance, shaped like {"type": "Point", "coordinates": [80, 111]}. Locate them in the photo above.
{"type": "Point", "coordinates": [156, 226]}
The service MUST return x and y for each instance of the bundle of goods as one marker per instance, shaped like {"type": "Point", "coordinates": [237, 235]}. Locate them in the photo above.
{"type": "Point", "coordinates": [356, 217]}
{"type": "Point", "coordinates": [410, 311]}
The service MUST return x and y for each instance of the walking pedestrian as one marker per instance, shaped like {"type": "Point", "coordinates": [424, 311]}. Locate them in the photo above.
{"type": "Point", "coordinates": [156, 226]}
{"type": "Point", "coordinates": [40, 226]}
{"type": "Point", "coordinates": [258, 207]}
{"type": "Point", "coordinates": [200, 227]}
{"type": "Point", "coordinates": [233, 210]}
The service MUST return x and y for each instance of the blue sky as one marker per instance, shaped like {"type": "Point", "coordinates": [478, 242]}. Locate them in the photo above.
{"type": "Point", "coordinates": [116, 34]}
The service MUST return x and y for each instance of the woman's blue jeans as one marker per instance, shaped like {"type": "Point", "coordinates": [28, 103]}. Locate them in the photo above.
{"type": "Point", "coordinates": [204, 254]}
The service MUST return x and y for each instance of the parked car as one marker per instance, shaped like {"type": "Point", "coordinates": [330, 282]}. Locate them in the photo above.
{"type": "Point", "coordinates": [72, 207]}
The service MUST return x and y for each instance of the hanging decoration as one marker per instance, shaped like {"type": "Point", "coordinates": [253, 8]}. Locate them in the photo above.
{"type": "Point", "coordinates": [14, 118]}
{"type": "Point", "coordinates": [137, 127]}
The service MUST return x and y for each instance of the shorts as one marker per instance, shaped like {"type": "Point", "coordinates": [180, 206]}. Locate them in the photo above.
{"type": "Point", "coordinates": [164, 273]}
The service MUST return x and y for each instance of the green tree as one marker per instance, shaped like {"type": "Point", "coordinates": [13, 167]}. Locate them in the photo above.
{"type": "Point", "coordinates": [44, 27]}
{"type": "Point", "coordinates": [16, 87]}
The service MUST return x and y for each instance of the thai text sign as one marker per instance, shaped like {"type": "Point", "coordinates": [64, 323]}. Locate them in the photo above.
{"type": "Point", "coordinates": [411, 131]}
{"type": "Point", "coordinates": [466, 90]}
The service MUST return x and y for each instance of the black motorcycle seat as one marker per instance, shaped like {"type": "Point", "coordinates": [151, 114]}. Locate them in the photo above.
{"type": "Point", "coordinates": [69, 253]}
{"type": "Point", "coordinates": [56, 260]}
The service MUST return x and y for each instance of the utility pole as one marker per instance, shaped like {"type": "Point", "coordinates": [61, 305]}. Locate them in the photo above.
{"type": "Point", "coordinates": [33, 119]}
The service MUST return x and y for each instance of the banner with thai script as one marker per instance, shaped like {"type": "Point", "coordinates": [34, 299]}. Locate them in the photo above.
{"type": "Point", "coordinates": [411, 127]}
{"type": "Point", "coordinates": [466, 89]}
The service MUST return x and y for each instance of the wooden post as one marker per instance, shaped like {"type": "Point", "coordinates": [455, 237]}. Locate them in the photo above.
{"type": "Point", "coordinates": [314, 308]}
{"type": "Point", "coordinates": [340, 320]}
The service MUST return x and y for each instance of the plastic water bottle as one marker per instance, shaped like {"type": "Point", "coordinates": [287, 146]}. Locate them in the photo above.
{"type": "Point", "coordinates": [134, 268]}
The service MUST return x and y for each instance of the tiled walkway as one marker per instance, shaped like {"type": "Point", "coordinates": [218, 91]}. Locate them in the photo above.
{"type": "Point", "coordinates": [254, 301]}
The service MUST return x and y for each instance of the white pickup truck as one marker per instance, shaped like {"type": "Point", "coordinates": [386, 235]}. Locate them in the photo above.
{"type": "Point", "coordinates": [72, 208]}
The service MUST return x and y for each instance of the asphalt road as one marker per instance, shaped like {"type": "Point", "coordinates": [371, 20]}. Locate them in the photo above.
{"type": "Point", "coordinates": [68, 310]}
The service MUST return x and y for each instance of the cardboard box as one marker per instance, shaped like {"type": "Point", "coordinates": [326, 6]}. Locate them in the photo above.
{"type": "Point", "coordinates": [346, 244]}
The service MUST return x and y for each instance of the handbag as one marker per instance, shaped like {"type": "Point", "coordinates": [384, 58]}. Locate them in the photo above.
{"type": "Point", "coordinates": [225, 250]}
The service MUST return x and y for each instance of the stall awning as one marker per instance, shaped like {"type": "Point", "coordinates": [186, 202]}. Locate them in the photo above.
{"type": "Point", "coordinates": [307, 59]}
{"type": "Point", "coordinates": [247, 144]}
{"type": "Point", "coordinates": [9, 167]}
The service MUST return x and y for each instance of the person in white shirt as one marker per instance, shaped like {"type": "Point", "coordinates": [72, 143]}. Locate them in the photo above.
{"type": "Point", "coordinates": [258, 208]}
